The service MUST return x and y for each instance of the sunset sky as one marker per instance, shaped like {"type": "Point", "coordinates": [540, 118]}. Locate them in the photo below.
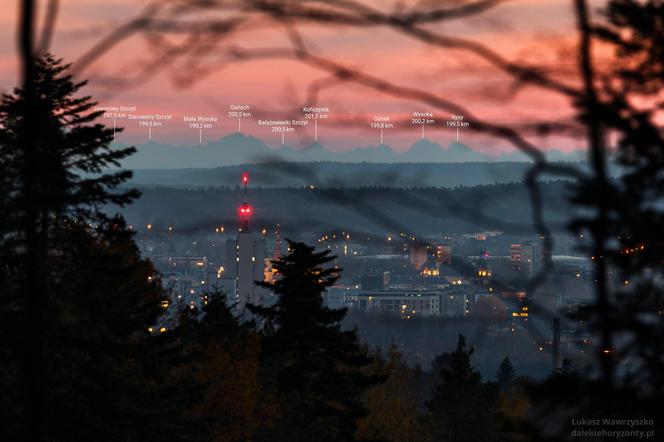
{"type": "Point", "coordinates": [535, 31]}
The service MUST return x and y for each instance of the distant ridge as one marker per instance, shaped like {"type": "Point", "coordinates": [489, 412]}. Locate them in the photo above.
{"type": "Point", "coordinates": [237, 148]}
{"type": "Point", "coordinates": [337, 174]}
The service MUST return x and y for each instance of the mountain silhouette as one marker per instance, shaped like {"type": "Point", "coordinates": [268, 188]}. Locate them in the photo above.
{"type": "Point", "coordinates": [237, 148]}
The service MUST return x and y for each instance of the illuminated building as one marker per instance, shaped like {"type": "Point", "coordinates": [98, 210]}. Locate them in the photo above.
{"type": "Point", "coordinates": [443, 254]}
{"type": "Point", "coordinates": [453, 276]}
{"type": "Point", "coordinates": [483, 269]}
{"type": "Point", "coordinates": [418, 255]}
{"type": "Point", "coordinates": [245, 258]}
{"type": "Point", "coordinates": [531, 258]}
{"type": "Point", "coordinates": [270, 272]}
{"type": "Point", "coordinates": [579, 266]}
{"type": "Point", "coordinates": [276, 254]}
{"type": "Point", "coordinates": [186, 265]}
{"type": "Point", "coordinates": [528, 257]}
{"type": "Point", "coordinates": [516, 257]}
{"type": "Point", "coordinates": [522, 312]}
{"type": "Point", "coordinates": [407, 304]}
{"type": "Point", "coordinates": [518, 302]}
{"type": "Point", "coordinates": [454, 304]}
{"type": "Point", "coordinates": [430, 269]}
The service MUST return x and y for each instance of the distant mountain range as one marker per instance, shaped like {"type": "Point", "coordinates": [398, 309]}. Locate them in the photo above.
{"type": "Point", "coordinates": [236, 149]}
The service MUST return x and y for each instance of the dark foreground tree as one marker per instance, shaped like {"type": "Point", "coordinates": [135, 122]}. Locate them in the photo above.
{"type": "Point", "coordinates": [51, 156]}
{"type": "Point", "coordinates": [621, 110]}
{"type": "Point", "coordinates": [225, 366]}
{"type": "Point", "coordinates": [107, 377]}
{"type": "Point", "coordinates": [393, 405]}
{"type": "Point", "coordinates": [317, 367]}
{"type": "Point", "coordinates": [463, 408]}
{"type": "Point", "coordinates": [514, 403]}
{"type": "Point", "coordinates": [505, 374]}
{"type": "Point", "coordinates": [77, 298]}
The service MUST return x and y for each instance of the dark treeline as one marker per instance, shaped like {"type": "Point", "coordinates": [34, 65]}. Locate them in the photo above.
{"type": "Point", "coordinates": [424, 210]}
{"type": "Point", "coordinates": [421, 340]}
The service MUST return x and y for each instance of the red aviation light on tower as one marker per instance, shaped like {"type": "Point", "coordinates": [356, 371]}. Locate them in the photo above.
{"type": "Point", "coordinates": [244, 214]}
{"type": "Point", "coordinates": [245, 211]}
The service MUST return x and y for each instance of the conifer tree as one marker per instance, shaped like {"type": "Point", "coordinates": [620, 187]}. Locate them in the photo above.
{"type": "Point", "coordinates": [316, 365]}
{"type": "Point", "coordinates": [109, 378]}
{"type": "Point", "coordinates": [505, 374]}
{"type": "Point", "coordinates": [225, 366]}
{"type": "Point", "coordinates": [70, 171]}
{"type": "Point", "coordinates": [464, 409]}
{"type": "Point", "coordinates": [77, 298]}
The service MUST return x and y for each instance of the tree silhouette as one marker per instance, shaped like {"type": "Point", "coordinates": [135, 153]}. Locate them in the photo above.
{"type": "Point", "coordinates": [623, 216]}
{"type": "Point", "coordinates": [78, 299]}
{"type": "Point", "coordinates": [316, 365]}
{"type": "Point", "coordinates": [223, 360]}
{"type": "Point", "coordinates": [393, 405]}
{"type": "Point", "coordinates": [463, 408]}
{"type": "Point", "coordinates": [505, 374]}
{"type": "Point", "coordinates": [107, 378]}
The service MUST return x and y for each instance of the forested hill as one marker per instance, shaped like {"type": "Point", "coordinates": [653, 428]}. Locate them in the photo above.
{"type": "Point", "coordinates": [332, 174]}
{"type": "Point", "coordinates": [504, 207]}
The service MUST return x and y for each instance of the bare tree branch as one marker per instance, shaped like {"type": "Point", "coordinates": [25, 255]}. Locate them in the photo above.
{"type": "Point", "coordinates": [49, 25]}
